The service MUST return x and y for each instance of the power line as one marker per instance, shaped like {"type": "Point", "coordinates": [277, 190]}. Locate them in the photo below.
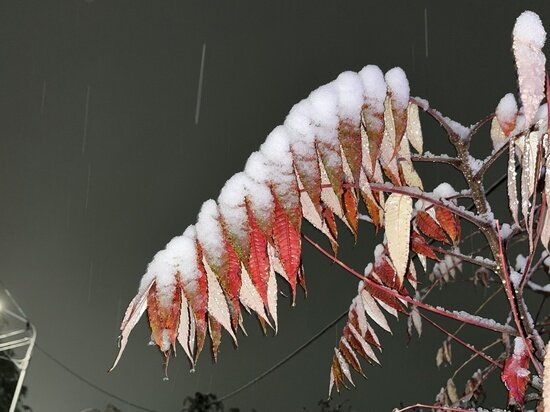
{"type": "Point", "coordinates": [284, 360]}
{"type": "Point", "coordinates": [89, 383]}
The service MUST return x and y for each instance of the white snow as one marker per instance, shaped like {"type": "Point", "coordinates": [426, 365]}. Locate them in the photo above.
{"type": "Point", "coordinates": [505, 231]}
{"type": "Point", "coordinates": [260, 198]}
{"type": "Point", "coordinates": [299, 124]}
{"type": "Point", "coordinates": [521, 261]}
{"type": "Point", "coordinates": [398, 86]}
{"type": "Point", "coordinates": [375, 87]}
{"type": "Point", "coordinates": [444, 190]}
{"type": "Point", "coordinates": [277, 147]}
{"type": "Point", "coordinates": [231, 202]}
{"type": "Point", "coordinates": [491, 323]}
{"type": "Point", "coordinates": [349, 88]}
{"type": "Point", "coordinates": [515, 277]}
{"type": "Point", "coordinates": [324, 102]}
{"type": "Point", "coordinates": [529, 29]}
{"type": "Point", "coordinates": [457, 128]}
{"type": "Point", "coordinates": [179, 256]}
{"type": "Point", "coordinates": [368, 269]}
{"type": "Point", "coordinates": [507, 109]}
{"type": "Point", "coordinates": [209, 232]}
{"type": "Point", "coordinates": [259, 168]}
{"type": "Point", "coordinates": [519, 346]}
{"type": "Point", "coordinates": [422, 103]}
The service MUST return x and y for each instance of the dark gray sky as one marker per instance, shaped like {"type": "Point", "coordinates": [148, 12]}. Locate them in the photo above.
{"type": "Point", "coordinates": [87, 199]}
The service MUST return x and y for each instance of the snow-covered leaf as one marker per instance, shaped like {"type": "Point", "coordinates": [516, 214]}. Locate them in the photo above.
{"type": "Point", "coordinates": [529, 37]}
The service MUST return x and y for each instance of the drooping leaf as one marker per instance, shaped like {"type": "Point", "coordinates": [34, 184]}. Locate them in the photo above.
{"type": "Point", "coordinates": [449, 222]}
{"type": "Point", "coordinates": [420, 246]}
{"type": "Point", "coordinates": [429, 227]}
{"type": "Point", "coordinates": [512, 183]}
{"type": "Point", "coordinates": [307, 169]}
{"type": "Point", "coordinates": [184, 330]}
{"type": "Point", "coordinates": [344, 367]}
{"type": "Point", "coordinates": [287, 242]}
{"type": "Point", "coordinates": [135, 310]}
{"type": "Point", "coordinates": [258, 261]}
{"type": "Point", "coordinates": [349, 136]}
{"type": "Point", "coordinates": [272, 292]}
{"type": "Point", "coordinates": [215, 329]}
{"type": "Point", "coordinates": [398, 214]}
{"type": "Point", "coordinates": [217, 305]}
{"type": "Point", "coordinates": [373, 311]}
{"type": "Point", "coordinates": [349, 355]}
{"type": "Point", "coordinates": [528, 39]}
{"type": "Point", "coordinates": [414, 130]}
{"type": "Point", "coordinates": [350, 209]}
{"type": "Point", "coordinates": [164, 318]}
{"type": "Point", "coordinates": [330, 199]}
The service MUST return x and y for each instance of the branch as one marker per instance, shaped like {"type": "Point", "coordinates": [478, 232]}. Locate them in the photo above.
{"type": "Point", "coordinates": [512, 299]}
{"type": "Point", "coordinates": [458, 316]}
{"type": "Point", "coordinates": [436, 159]}
{"type": "Point", "coordinates": [489, 160]}
{"type": "Point", "coordinates": [466, 345]}
{"type": "Point", "coordinates": [475, 128]}
{"type": "Point", "coordinates": [476, 260]}
{"type": "Point", "coordinates": [442, 120]}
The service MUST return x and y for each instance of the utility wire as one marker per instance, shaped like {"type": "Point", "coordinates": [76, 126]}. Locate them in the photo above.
{"type": "Point", "coordinates": [89, 383]}
{"type": "Point", "coordinates": [272, 369]}
{"type": "Point", "coordinates": [284, 360]}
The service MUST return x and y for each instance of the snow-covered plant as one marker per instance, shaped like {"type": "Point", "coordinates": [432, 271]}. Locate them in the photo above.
{"type": "Point", "coordinates": [357, 139]}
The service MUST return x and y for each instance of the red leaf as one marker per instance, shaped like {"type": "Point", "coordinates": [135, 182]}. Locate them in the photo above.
{"type": "Point", "coordinates": [328, 216]}
{"type": "Point", "coordinates": [384, 296]}
{"type": "Point", "coordinates": [387, 274]}
{"type": "Point", "coordinates": [350, 209]}
{"type": "Point", "coordinates": [215, 329]}
{"type": "Point", "coordinates": [288, 245]}
{"type": "Point", "coordinates": [302, 279]}
{"type": "Point", "coordinates": [258, 261]}
{"type": "Point", "coordinates": [515, 374]}
{"type": "Point", "coordinates": [349, 136]}
{"type": "Point", "coordinates": [349, 355]}
{"type": "Point", "coordinates": [420, 246]}
{"type": "Point", "coordinates": [373, 122]}
{"type": "Point", "coordinates": [164, 320]}
{"type": "Point", "coordinates": [373, 207]}
{"type": "Point", "coordinates": [449, 222]}
{"type": "Point", "coordinates": [427, 225]}
{"type": "Point", "coordinates": [330, 155]}
{"type": "Point", "coordinates": [310, 176]}
{"type": "Point", "coordinates": [230, 281]}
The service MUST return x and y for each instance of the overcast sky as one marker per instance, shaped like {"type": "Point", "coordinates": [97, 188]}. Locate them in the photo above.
{"type": "Point", "coordinates": [102, 162]}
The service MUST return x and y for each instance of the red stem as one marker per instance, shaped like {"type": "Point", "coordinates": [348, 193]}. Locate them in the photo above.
{"type": "Point", "coordinates": [408, 299]}
{"type": "Point", "coordinates": [512, 301]}
{"type": "Point", "coordinates": [466, 345]}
